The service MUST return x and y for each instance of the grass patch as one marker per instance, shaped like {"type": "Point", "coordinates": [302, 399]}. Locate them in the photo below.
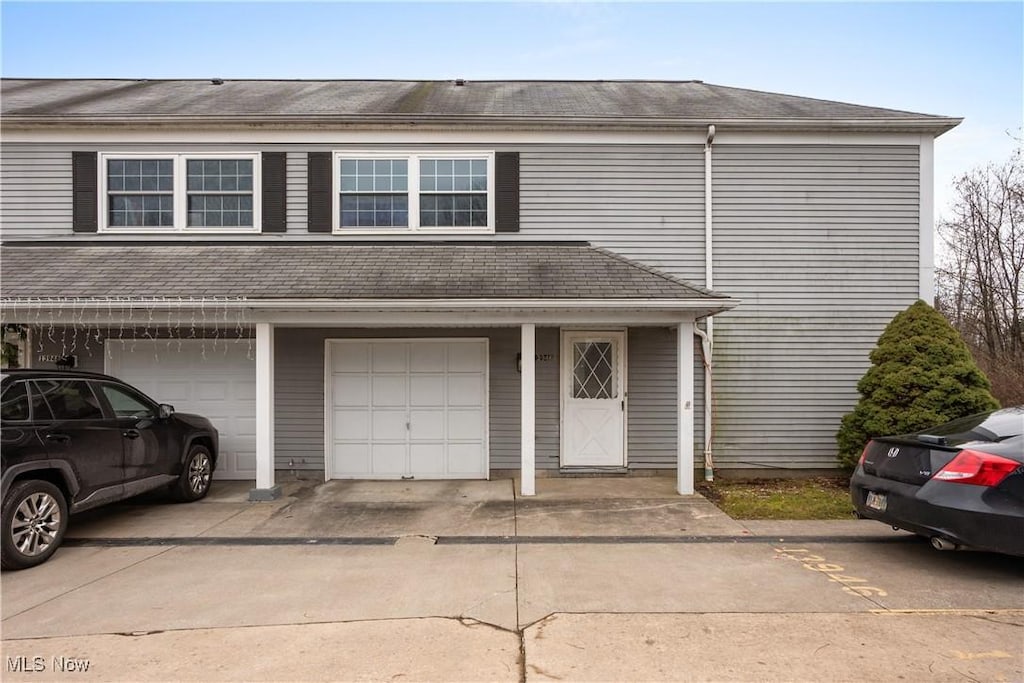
{"type": "Point", "coordinates": [818, 498]}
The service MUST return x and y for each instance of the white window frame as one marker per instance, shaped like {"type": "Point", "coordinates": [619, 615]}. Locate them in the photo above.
{"type": "Point", "coordinates": [413, 191]}
{"type": "Point", "coordinates": [180, 193]}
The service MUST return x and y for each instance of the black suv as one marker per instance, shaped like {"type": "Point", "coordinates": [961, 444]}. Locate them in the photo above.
{"type": "Point", "coordinates": [74, 440]}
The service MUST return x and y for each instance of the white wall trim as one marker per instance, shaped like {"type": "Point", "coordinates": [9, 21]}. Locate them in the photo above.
{"type": "Point", "coordinates": [264, 406]}
{"type": "Point", "coordinates": [927, 218]}
{"type": "Point", "coordinates": [528, 405]}
{"type": "Point", "coordinates": [684, 459]}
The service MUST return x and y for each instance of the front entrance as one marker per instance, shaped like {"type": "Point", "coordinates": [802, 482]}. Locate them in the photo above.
{"type": "Point", "coordinates": [593, 399]}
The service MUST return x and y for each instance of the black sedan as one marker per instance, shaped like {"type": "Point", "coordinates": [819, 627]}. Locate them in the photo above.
{"type": "Point", "coordinates": [960, 484]}
{"type": "Point", "coordinates": [76, 440]}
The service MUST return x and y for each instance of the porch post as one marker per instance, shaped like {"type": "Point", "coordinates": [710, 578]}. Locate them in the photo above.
{"type": "Point", "coordinates": [684, 459]}
{"type": "Point", "coordinates": [265, 488]}
{"type": "Point", "coordinates": [528, 347]}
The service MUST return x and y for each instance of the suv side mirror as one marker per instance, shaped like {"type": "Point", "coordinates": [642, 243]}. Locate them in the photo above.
{"type": "Point", "coordinates": [166, 411]}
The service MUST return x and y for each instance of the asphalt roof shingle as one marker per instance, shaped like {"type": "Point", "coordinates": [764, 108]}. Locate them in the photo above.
{"type": "Point", "coordinates": [345, 272]}
{"type": "Point", "coordinates": [341, 99]}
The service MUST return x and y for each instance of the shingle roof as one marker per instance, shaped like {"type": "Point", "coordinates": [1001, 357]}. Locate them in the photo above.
{"type": "Point", "coordinates": [564, 271]}
{"type": "Point", "coordinates": [341, 100]}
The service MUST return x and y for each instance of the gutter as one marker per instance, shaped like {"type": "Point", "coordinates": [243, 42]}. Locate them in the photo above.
{"type": "Point", "coordinates": [706, 338]}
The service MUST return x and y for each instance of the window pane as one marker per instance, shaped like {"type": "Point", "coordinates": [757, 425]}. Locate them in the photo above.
{"type": "Point", "coordinates": [14, 405]}
{"type": "Point", "coordinates": [125, 403]}
{"type": "Point", "coordinates": [70, 399]}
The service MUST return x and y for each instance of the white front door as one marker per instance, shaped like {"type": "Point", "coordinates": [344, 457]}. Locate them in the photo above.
{"type": "Point", "coordinates": [593, 399]}
{"type": "Point", "coordinates": [407, 408]}
{"type": "Point", "coordinates": [217, 382]}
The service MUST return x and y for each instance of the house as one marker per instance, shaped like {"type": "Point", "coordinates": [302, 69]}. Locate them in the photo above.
{"type": "Point", "coordinates": [448, 279]}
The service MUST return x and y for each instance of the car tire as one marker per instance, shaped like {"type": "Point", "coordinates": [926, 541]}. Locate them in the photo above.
{"type": "Point", "coordinates": [35, 517]}
{"type": "Point", "coordinates": [196, 474]}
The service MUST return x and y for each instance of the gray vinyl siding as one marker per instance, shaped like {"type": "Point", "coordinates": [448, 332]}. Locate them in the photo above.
{"type": "Point", "coordinates": [652, 386]}
{"type": "Point", "coordinates": [645, 202]}
{"type": "Point", "coordinates": [295, 201]}
{"type": "Point", "coordinates": [820, 243]}
{"type": "Point", "coordinates": [35, 191]}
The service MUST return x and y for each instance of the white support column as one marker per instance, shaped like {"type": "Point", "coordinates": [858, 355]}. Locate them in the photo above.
{"type": "Point", "coordinates": [684, 375]}
{"type": "Point", "coordinates": [528, 449]}
{"type": "Point", "coordinates": [265, 488]}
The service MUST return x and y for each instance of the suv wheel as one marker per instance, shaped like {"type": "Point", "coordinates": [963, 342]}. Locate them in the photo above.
{"type": "Point", "coordinates": [194, 482]}
{"type": "Point", "coordinates": [35, 517]}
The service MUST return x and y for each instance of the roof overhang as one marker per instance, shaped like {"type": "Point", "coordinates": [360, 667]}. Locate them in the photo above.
{"type": "Point", "coordinates": [23, 122]}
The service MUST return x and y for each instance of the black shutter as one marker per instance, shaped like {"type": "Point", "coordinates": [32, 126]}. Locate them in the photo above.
{"type": "Point", "coordinates": [274, 189]}
{"type": "Point", "coordinates": [84, 190]}
{"type": "Point", "coordinates": [318, 192]}
{"type": "Point", "coordinates": [506, 190]}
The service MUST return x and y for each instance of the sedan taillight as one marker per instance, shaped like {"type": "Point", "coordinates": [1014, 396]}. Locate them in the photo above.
{"type": "Point", "coordinates": [864, 453]}
{"type": "Point", "coordinates": [980, 469]}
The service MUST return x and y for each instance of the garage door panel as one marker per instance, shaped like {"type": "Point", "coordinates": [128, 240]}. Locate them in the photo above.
{"type": "Point", "coordinates": [351, 389]}
{"type": "Point", "coordinates": [426, 424]}
{"type": "Point", "coordinates": [467, 358]}
{"type": "Point", "coordinates": [352, 424]}
{"type": "Point", "coordinates": [211, 391]}
{"type": "Point", "coordinates": [428, 458]}
{"type": "Point", "coordinates": [427, 357]}
{"type": "Point", "coordinates": [466, 390]}
{"type": "Point", "coordinates": [388, 459]}
{"type": "Point", "coordinates": [465, 423]}
{"type": "Point", "coordinates": [353, 458]}
{"type": "Point", "coordinates": [351, 358]}
{"type": "Point", "coordinates": [389, 358]}
{"type": "Point", "coordinates": [464, 459]}
{"type": "Point", "coordinates": [427, 390]}
{"type": "Point", "coordinates": [389, 391]}
{"type": "Point", "coordinates": [244, 391]}
{"type": "Point", "coordinates": [389, 425]}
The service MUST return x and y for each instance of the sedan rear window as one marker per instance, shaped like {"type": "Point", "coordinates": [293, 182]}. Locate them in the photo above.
{"type": "Point", "coordinates": [997, 426]}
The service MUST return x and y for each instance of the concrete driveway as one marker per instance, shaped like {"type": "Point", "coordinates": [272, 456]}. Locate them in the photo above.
{"type": "Point", "coordinates": [592, 579]}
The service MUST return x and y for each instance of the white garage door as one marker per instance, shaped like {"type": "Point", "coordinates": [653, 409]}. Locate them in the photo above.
{"type": "Point", "coordinates": [218, 383]}
{"type": "Point", "coordinates": [407, 409]}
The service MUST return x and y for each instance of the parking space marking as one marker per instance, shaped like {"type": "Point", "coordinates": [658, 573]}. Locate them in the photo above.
{"type": "Point", "coordinates": [817, 563]}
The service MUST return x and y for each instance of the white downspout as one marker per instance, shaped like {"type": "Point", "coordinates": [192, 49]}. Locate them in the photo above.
{"type": "Point", "coordinates": [707, 338]}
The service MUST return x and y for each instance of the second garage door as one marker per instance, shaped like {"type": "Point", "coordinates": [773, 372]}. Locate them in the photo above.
{"type": "Point", "coordinates": [407, 409]}
{"type": "Point", "coordinates": [218, 383]}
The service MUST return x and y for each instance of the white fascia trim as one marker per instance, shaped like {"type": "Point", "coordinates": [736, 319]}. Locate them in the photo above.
{"type": "Point", "coordinates": [926, 212]}
{"type": "Point", "coordinates": [341, 305]}
{"type": "Point", "coordinates": [932, 124]}
{"type": "Point", "coordinates": [461, 136]}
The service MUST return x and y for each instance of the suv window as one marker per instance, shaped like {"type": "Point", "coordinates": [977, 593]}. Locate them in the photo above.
{"type": "Point", "coordinates": [126, 403]}
{"type": "Point", "coordinates": [15, 403]}
{"type": "Point", "coordinates": [70, 399]}
{"type": "Point", "coordinates": [22, 403]}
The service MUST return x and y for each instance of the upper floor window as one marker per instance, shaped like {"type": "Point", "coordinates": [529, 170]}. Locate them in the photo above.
{"type": "Point", "coordinates": [179, 192]}
{"type": "Point", "coordinates": [433, 192]}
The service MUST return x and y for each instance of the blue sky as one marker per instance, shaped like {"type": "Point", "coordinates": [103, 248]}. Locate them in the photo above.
{"type": "Point", "coordinates": [957, 59]}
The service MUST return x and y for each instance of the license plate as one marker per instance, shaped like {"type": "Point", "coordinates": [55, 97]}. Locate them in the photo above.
{"type": "Point", "coordinates": [876, 501]}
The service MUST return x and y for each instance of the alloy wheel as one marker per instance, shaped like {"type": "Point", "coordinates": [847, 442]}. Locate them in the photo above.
{"type": "Point", "coordinates": [199, 473]}
{"type": "Point", "coordinates": [36, 524]}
